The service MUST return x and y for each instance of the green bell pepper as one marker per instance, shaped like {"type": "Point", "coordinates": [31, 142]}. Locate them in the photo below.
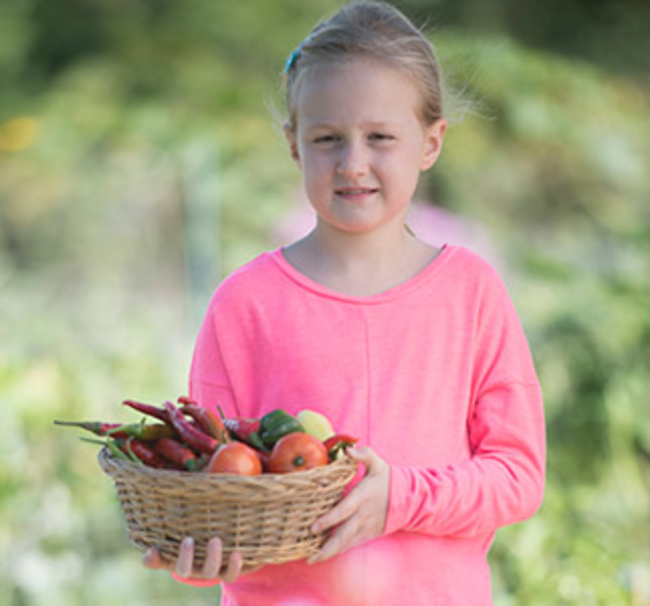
{"type": "Point", "coordinates": [276, 424]}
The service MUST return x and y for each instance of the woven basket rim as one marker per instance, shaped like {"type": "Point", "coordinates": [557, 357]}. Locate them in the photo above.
{"type": "Point", "coordinates": [113, 466]}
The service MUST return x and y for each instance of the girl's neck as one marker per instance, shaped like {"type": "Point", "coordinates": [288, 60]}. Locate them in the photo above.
{"type": "Point", "coordinates": [359, 264]}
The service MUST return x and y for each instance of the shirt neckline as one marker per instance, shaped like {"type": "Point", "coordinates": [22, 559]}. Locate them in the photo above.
{"type": "Point", "coordinates": [436, 264]}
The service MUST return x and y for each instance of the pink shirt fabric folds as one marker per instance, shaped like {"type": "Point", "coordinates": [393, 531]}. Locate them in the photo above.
{"type": "Point", "coordinates": [434, 374]}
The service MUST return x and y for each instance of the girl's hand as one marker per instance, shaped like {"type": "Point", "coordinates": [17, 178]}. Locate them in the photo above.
{"type": "Point", "coordinates": [184, 566]}
{"type": "Point", "coordinates": [361, 515]}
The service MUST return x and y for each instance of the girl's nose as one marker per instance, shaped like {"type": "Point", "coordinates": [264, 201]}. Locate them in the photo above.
{"type": "Point", "coordinates": [353, 162]}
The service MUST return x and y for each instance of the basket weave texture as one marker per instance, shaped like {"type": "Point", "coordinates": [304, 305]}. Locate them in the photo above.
{"type": "Point", "coordinates": [266, 517]}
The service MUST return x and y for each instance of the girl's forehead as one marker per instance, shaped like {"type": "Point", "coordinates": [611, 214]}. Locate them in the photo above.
{"type": "Point", "coordinates": [357, 85]}
{"type": "Point", "coordinates": [351, 70]}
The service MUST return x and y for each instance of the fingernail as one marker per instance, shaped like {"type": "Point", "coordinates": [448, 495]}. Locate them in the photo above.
{"type": "Point", "coordinates": [187, 542]}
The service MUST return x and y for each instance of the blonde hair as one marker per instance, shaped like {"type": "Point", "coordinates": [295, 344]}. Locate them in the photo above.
{"type": "Point", "coordinates": [375, 30]}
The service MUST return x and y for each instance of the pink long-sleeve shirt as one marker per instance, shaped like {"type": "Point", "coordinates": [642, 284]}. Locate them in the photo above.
{"type": "Point", "coordinates": [435, 375]}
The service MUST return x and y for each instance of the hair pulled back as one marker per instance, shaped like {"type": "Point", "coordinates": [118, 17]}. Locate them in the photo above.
{"type": "Point", "coordinates": [374, 30]}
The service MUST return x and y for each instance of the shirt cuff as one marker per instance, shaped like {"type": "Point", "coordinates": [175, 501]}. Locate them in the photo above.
{"type": "Point", "coordinates": [197, 582]}
{"type": "Point", "coordinates": [397, 499]}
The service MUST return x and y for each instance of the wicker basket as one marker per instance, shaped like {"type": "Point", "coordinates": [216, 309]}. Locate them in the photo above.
{"type": "Point", "coordinates": [266, 517]}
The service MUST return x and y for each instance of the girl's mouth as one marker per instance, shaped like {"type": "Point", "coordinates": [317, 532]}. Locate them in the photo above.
{"type": "Point", "coordinates": [356, 192]}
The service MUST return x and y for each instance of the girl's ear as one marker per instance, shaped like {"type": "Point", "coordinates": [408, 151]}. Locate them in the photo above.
{"type": "Point", "coordinates": [290, 134]}
{"type": "Point", "coordinates": [433, 138]}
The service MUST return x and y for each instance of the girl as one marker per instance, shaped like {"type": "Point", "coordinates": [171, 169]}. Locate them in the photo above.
{"type": "Point", "coordinates": [417, 351]}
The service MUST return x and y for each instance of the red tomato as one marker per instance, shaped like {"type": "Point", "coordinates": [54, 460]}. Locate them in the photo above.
{"type": "Point", "coordinates": [235, 457]}
{"type": "Point", "coordinates": [296, 452]}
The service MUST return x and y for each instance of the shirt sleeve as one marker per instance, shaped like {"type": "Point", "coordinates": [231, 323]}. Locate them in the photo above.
{"type": "Point", "coordinates": [197, 582]}
{"type": "Point", "coordinates": [209, 381]}
{"type": "Point", "coordinates": [502, 481]}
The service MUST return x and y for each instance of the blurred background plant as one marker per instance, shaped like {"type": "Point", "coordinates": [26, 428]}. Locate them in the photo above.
{"type": "Point", "coordinates": [139, 163]}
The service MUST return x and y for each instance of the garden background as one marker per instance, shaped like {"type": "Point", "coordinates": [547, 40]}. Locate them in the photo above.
{"type": "Point", "coordinates": [141, 159]}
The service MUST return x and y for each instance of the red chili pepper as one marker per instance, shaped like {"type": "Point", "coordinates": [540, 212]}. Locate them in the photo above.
{"type": "Point", "coordinates": [186, 400]}
{"type": "Point", "coordinates": [148, 409]}
{"type": "Point", "coordinates": [338, 442]}
{"type": "Point", "coordinates": [96, 427]}
{"type": "Point", "coordinates": [209, 422]}
{"type": "Point", "coordinates": [242, 428]}
{"type": "Point", "coordinates": [142, 452]}
{"type": "Point", "coordinates": [174, 451]}
{"type": "Point", "coordinates": [246, 430]}
{"type": "Point", "coordinates": [192, 436]}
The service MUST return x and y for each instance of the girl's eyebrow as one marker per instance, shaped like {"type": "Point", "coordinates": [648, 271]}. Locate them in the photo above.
{"type": "Point", "coordinates": [373, 125]}
{"type": "Point", "coordinates": [319, 126]}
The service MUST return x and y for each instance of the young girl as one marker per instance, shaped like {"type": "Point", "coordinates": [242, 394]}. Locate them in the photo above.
{"type": "Point", "coordinates": [416, 350]}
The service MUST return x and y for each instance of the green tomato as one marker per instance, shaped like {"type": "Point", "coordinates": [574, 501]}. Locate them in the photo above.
{"type": "Point", "coordinates": [315, 424]}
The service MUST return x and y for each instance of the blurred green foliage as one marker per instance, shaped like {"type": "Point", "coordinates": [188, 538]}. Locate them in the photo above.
{"type": "Point", "coordinates": [139, 163]}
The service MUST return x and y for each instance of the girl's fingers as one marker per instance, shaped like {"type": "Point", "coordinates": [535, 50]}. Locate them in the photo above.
{"type": "Point", "coordinates": [184, 567]}
{"type": "Point", "coordinates": [152, 559]}
{"type": "Point", "coordinates": [369, 458]}
{"type": "Point", "coordinates": [234, 567]}
{"type": "Point", "coordinates": [375, 465]}
{"type": "Point", "coordinates": [185, 558]}
{"type": "Point", "coordinates": [361, 515]}
{"type": "Point", "coordinates": [327, 551]}
{"type": "Point", "coordinates": [345, 536]}
{"type": "Point", "coordinates": [337, 514]}
{"type": "Point", "coordinates": [212, 564]}
{"type": "Point", "coordinates": [341, 517]}
{"type": "Point", "coordinates": [362, 455]}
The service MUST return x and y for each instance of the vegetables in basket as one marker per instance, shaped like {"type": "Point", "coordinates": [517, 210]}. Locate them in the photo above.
{"type": "Point", "coordinates": [187, 437]}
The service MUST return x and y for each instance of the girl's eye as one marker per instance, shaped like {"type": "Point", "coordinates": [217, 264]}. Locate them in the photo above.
{"type": "Point", "coordinates": [326, 139]}
{"type": "Point", "coordinates": [381, 137]}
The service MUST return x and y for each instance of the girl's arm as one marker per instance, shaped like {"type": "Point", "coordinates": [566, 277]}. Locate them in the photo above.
{"type": "Point", "coordinates": [502, 480]}
{"type": "Point", "coordinates": [502, 483]}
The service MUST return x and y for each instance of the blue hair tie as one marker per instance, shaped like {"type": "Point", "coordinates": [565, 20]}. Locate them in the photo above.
{"type": "Point", "coordinates": [293, 57]}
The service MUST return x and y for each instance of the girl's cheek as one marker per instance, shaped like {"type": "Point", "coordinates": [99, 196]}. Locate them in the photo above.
{"type": "Point", "coordinates": [319, 162]}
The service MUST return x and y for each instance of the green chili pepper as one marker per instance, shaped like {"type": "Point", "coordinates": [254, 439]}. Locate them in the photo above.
{"type": "Point", "coordinates": [116, 451]}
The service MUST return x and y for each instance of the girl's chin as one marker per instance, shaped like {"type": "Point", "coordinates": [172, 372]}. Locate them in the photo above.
{"type": "Point", "coordinates": [358, 227]}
